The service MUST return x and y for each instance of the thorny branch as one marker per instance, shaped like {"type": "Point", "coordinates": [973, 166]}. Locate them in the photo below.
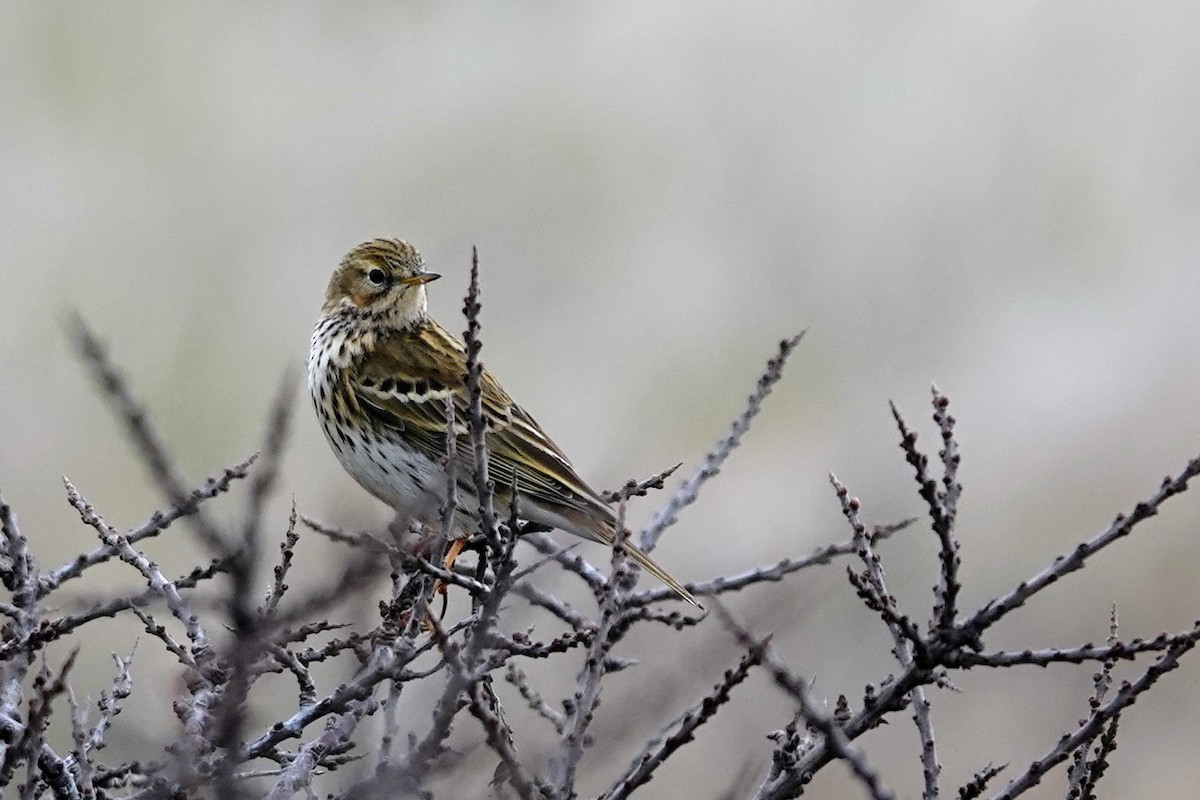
{"type": "Point", "coordinates": [712, 463]}
{"type": "Point", "coordinates": [225, 625]}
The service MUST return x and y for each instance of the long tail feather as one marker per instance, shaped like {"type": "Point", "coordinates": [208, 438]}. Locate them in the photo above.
{"type": "Point", "coordinates": [599, 525]}
{"type": "Point", "coordinates": [650, 565]}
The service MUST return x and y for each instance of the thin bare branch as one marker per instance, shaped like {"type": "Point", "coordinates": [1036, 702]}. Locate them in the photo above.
{"type": "Point", "coordinates": [476, 423]}
{"type": "Point", "coordinates": [683, 730]}
{"type": "Point", "coordinates": [338, 729]}
{"type": "Point", "coordinates": [978, 783]}
{"type": "Point", "coordinates": [51, 630]}
{"type": "Point", "coordinates": [1074, 560]}
{"type": "Point", "coordinates": [569, 560]}
{"type": "Point", "coordinates": [19, 572]}
{"type": "Point", "coordinates": [200, 648]}
{"type": "Point", "coordinates": [1074, 655]}
{"type": "Point", "coordinates": [635, 488]}
{"type": "Point", "coordinates": [942, 505]}
{"type": "Point", "coordinates": [141, 431]}
{"type": "Point", "coordinates": [159, 521]}
{"type": "Point", "coordinates": [771, 573]}
{"type": "Point", "coordinates": [110, 703]}
{"type": "Point", "coordinates": [517, 677]}
{"type": "Point", "coordinates": [1125, 696]}
{"type": "Point", "coordinates": [565, 762]}
{"type": "Point", "coordinates": [287, 551]}
{"type": "Point", "coordinates": [450, 465]}
{"type": "Point", "coordinates": [905, 638]}
{"type": "Point", "coordinates": [814, 714]}
{"type": "Point", "coordinates": [711, 465]}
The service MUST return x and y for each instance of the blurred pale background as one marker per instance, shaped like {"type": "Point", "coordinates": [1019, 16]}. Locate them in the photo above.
{"type": "Point", "coordinates": [999, 198]}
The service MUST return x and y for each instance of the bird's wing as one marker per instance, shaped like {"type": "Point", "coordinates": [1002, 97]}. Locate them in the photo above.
{"type": "Point", "coordinates": [404, 383]}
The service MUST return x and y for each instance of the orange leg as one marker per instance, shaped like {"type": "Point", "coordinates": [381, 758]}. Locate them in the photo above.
{"type": "Point", "coordinates": [452, 553]}
{"type": "Point", "coordinates": [439, 587]}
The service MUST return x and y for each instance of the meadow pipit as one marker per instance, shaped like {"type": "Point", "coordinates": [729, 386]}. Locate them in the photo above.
{"type": "Point", "coordinates": [380, 372]}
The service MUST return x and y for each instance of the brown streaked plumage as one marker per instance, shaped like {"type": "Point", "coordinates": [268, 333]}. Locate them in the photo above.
{"type": "Point", "coordinates": [380, 371]}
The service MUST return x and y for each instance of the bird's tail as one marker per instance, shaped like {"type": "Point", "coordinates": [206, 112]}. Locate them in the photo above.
{"type": "Point", "coordinates": [599, 524]}
{"type": "Point", "coordinates": [650, 565]}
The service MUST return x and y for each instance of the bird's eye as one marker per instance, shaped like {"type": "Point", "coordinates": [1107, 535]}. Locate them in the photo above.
{"type": "Point", "coordinates": [377, 277]}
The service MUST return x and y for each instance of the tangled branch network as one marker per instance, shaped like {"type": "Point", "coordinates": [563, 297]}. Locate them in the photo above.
{"type": "Point", "coordinates": [232, 622]}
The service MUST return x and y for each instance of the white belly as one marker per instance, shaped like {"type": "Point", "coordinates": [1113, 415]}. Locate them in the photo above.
{"type": "Point", "coordinates": [411, 483]}
{"type": "Point", "coordinates": [408, 481]}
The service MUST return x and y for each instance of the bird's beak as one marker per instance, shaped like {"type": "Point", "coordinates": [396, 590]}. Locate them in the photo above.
{"type": "Point", "coordinates": [424, 277]}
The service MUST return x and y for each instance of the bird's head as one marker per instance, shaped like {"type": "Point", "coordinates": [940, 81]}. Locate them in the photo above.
{"type": "Point", "coordinates": [383, 277]}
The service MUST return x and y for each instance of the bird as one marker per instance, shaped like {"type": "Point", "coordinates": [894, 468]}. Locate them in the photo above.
{"type": "Point", "coordinates": [382, 374]}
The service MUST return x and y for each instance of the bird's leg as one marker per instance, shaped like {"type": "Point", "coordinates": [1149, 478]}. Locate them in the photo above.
{"type": "Point", "coordinates": [454, 549]}
{"type": "Point", "coordinates": [439, 586]}
{"type": "Point", "coordinates": [480, 546]}
{"type": "Point", "coordinates": [452, 552]}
